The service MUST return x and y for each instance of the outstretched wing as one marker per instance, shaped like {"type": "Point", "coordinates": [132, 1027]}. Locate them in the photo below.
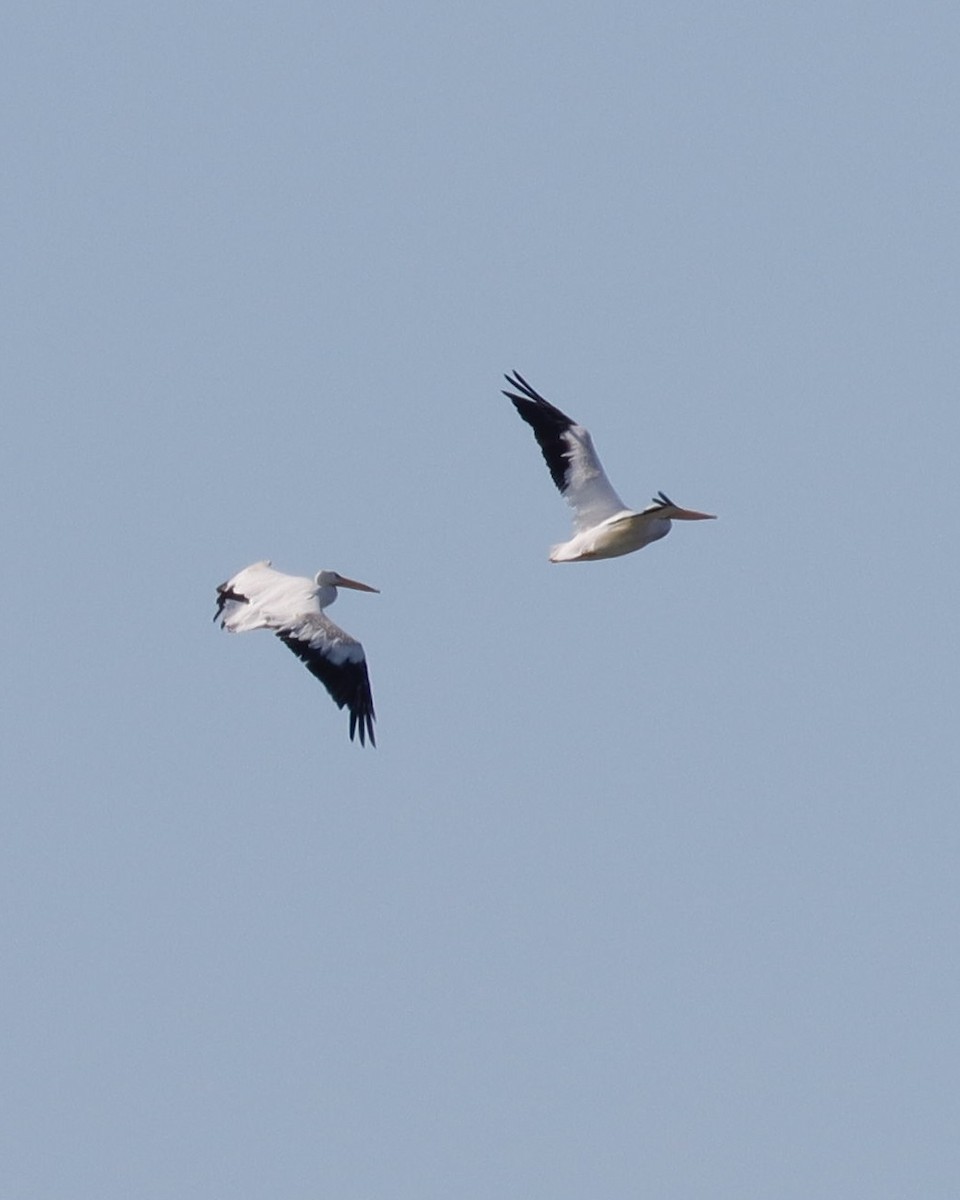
{"type": "Point", "coordinates": [260, 597]}
{"type": "Point", "coordinates": [568, 450]}
{"type": "Point", "coordinates": [338, 661]}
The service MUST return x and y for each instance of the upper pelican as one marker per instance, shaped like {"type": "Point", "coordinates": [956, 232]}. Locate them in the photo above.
{"type": "Point", "coordinates": [258, 597]}
{"type": "Point", "coordinates": [603, 525]}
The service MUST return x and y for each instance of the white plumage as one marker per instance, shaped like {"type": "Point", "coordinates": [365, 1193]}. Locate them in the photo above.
{"type": "Point", "coordinates": [603, 526]}
{"type": "Point", "coordinates": [259, 597]}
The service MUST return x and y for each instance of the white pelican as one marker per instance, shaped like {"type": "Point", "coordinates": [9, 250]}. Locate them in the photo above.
{"type": "Point", "coordinates": [603, 526]}
{"type": "Point", "coordinates": [258, 597]}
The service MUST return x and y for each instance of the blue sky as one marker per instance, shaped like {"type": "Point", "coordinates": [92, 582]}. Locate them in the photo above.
{"type": "Point", "coordinates": [649, 887]}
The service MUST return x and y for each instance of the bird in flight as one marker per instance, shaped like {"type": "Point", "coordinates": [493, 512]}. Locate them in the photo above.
{"type": "Point", "coordinates": [603, 526]}
{"type": "Point", "coordinates": [258, 597]}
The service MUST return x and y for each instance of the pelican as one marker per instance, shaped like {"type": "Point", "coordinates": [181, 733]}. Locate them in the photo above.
{"type": "Point", "coordinates": [603, 526]}
{"type": "Point", "coordinates": [258, 597]}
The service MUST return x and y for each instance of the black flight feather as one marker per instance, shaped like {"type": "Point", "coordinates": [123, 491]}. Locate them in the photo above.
{"type": "Point", "coordinates": [549, 425]}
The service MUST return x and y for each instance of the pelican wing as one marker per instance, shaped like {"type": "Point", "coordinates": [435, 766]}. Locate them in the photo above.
{"type": "Point", "coordinates": [338, 661]}
{"type": "Point", "coordinates": [260, 597]}
{"type": "Point", "coordinates": [568, 450]}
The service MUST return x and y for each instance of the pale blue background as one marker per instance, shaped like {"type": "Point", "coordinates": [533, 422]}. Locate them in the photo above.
{"type": "Point", "coordinates": [650, 889]}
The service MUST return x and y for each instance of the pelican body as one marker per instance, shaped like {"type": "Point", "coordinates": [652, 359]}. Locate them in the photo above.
{"type": "Point", "coordinates": [603, 526]}
{"type": "Point", "coordinates": [259, 597]}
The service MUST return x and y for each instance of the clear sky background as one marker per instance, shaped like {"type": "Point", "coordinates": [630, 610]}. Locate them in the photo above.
{"type": "Point", "coordinates": [650, 887]}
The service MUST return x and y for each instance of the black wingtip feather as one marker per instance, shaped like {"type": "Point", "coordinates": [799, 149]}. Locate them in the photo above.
{"type": "Point", "coordinates": [548, 423]}
{"type": "Point", "coordinates": [517, 380]}
{"type": "Point", "coordinates": [225, 593]}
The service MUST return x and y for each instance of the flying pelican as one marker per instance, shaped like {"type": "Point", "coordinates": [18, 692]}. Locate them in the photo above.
{"type": "Point", "coordinates": [258, 597]}
{"type": "Point", "coordinates": [603, 526]}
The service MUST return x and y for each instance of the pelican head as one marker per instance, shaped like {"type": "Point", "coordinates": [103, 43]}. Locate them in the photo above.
{"type": "Point", "coordinates": [674, 512]}
{"type": "Point", "coordinates": [336, 580]}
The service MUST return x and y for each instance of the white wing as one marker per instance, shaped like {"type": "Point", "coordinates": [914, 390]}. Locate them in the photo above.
{"type": "Point", "coordinates": [568, 450]}
{"type": "Point", "coordinates": [259, 597]}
